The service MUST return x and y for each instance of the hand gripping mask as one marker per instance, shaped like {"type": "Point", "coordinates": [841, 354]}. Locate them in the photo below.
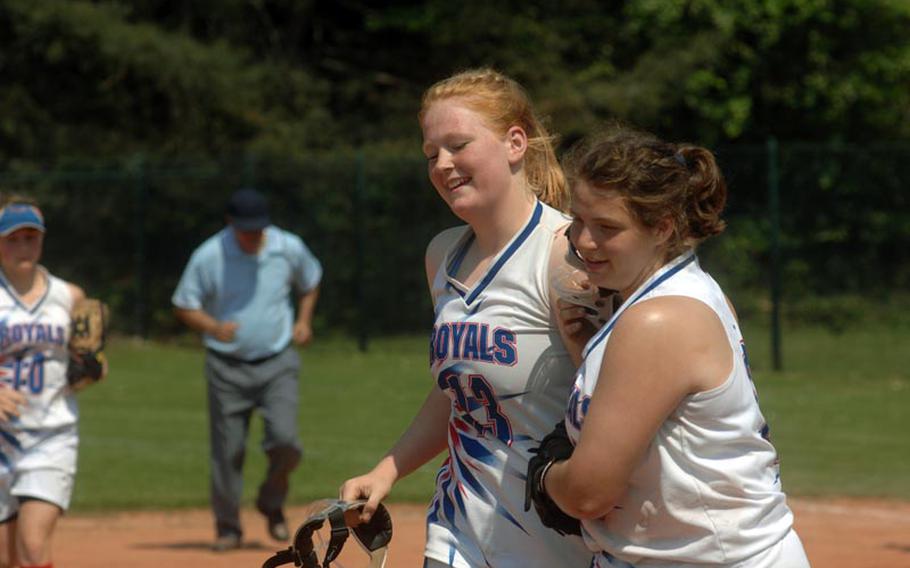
{"type": "Point", "coordinates": [343, 519]}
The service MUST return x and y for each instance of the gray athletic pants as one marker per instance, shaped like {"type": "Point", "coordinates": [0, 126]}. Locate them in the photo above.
{"type": "Point", "coordinates": [235, 390]}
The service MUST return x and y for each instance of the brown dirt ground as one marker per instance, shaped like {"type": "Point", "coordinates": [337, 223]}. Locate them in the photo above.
{"type": "Point", "coordinates": [836, 533]}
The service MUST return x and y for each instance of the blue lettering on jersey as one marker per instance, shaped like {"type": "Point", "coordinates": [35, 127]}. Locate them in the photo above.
{"type": "Point", "coordinates": [18, 335]}
{"type": "Point", "coordinates": [577, 408]}
{"type": "Point", "coordinates": [504, 353]}
{"type": "Point", "coordinates": [441, 343]}
{"type": "Point", "coordinates": [457, 333]}
{"type": "Point", "coordinates": [23, 371]}
{"type": "Point", "coordinates": [472, 341]}
{"type": "Point", "coordinates": [470, 344]}
{"type": "Point", "coordinates": [485, 351]}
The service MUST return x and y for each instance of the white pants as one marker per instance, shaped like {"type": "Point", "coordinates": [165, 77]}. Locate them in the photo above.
{"type": "Point", "coordinates": [42, 467]}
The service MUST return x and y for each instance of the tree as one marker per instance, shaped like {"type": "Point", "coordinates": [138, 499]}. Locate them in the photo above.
{"type": "Point", "coordinates": [81, 80]}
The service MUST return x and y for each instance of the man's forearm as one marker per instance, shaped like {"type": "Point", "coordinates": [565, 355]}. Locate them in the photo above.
{"type": "Point", "coordinates": [197, 320]}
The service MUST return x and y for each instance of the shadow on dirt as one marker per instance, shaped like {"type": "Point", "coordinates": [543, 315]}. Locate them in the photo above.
{"type": "Point", "coordinates": [202, 545]}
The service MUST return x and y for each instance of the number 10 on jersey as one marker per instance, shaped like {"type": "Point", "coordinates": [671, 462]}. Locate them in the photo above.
{"type": "Point", "coordinates": [24, 372]}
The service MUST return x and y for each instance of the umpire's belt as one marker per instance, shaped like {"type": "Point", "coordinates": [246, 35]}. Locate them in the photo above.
{"type": "Point", "coordinates": [237, 360]}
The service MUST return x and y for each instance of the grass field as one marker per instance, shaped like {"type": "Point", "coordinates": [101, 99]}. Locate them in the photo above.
{"type": "Point", "coordinates": [838, 415]}
{"type": "Point", "coordinates": [840, 410]}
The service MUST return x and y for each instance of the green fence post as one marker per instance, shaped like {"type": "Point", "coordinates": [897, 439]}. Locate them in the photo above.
{"type": "Point", "coordinates": [774, 214]}
{"type": "Point", "coordinates": [140, 194]}
{"type": "Point", "coordinates": [360, 239]}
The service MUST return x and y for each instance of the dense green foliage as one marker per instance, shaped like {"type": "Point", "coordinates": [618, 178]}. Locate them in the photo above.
{"type": "Point", "coordinates": [132, 122]}
{"type": "Point", "coordinates": [837, 417]}
{"type": "Point", "coordinates": [103, 79]}
{"type": "Point", "coordinates": [89, 81]}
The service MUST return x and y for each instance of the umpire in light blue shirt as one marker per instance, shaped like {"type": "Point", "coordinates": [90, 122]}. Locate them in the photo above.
{"type": "Point", "coordinates": [236, 290]}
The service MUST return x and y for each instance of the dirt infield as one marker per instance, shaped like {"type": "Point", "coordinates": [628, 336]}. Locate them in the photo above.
{"type": "Point", "coordinates": [843, 532]}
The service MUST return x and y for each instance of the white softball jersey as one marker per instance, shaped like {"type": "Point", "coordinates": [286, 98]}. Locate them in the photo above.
{"type": "Point", "coordinates": [38, 449]}
{"type": "Point", "coordinates": [496, 354]}
{"type": "Point", "coordinates": [707, 491]}
{"type": "Point", "coordinates": [34, 357]}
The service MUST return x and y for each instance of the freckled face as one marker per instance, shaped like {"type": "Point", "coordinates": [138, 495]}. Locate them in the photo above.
{"type": "Point", "coordinates": [20, 250]}
{"type": "Point", "coordinates": [618, 251]}
{"type": "Point", "coordinates": [468, 164]}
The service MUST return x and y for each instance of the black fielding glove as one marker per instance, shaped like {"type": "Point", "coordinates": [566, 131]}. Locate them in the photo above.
{"type": "Point", "coordinates": [554, 447]}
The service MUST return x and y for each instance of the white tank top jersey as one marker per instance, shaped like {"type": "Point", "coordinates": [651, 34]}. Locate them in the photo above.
{"type": "Point", "coordinates": [707, 491]}
{"type": "Point", "coordinates": [496, 354]}
{"type": "Point", "coordinates": [34, 357]}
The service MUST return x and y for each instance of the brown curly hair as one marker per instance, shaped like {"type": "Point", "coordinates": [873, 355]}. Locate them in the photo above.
{"type": "Point", "coordinates": [658, 180]}
{"type": "Point", "coordinates": [504, 103]}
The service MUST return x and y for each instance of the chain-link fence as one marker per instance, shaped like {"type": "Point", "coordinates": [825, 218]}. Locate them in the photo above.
{"type": "Point", "coordinates": [828, 221]}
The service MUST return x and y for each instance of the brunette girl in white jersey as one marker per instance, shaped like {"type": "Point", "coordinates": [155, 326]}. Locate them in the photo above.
{"type": "Point", "coordinates": [38, 436]}
{"type": "Point", "coordinates": [672, 463]}
{"type": "Point", "coordinates": [501, 371]}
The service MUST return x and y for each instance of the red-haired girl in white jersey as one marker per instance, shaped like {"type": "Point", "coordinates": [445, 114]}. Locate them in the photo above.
{"type": "Point", "coordinates": [501, 370]}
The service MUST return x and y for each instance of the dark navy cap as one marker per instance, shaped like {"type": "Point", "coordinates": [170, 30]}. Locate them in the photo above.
{"type": "Point", "coordinates": [248, 210]}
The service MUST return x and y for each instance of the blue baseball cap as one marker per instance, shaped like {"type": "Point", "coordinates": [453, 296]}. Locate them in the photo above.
{"type": "Point", "coordinates": [17, 216]}
{"type": "Point", "coordinates": [248, 210]}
